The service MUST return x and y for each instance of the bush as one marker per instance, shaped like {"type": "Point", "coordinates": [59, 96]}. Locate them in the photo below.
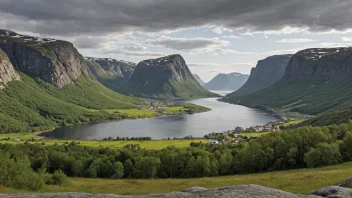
{"type": "Point", "coordinates": [58, 178]}
{"type": "Point", "coordinates": [17, 173]}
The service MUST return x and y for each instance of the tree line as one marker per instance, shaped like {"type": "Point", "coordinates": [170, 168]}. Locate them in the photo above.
{"type": "Point", "coordinates": [294, 148]}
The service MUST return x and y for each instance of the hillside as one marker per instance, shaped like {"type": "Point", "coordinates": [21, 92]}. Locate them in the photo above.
{"type": "Point", "coordinates": [266, 72]}
{"type": "Point", "coordinates": [198, 79]}
{"type": "Point", "coordinates": [315, 81]}
{"type": "Point", "coordinates": [166, 77]}
{"type": "Point", "coordinates": [231, 81]}
{"type": "Point", "coordinates": [46, 83]}
{"type": "Point", "coordinates": [110, 72]}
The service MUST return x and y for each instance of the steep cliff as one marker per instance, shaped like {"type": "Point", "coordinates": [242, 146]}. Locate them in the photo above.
{"type": "Point", "coordinates": [110, 72]}
{"type": "Point", "coordinates": [315, 80]}
{"type": "Point", "coordinates": [166, 77]}
{"type": "Point", "coordinates": [51, 86]}
{"type": "Point", "coordinates": [231, 81]}
{"type": "Point", "coordinates": [267, 72]}
{"type": "Point", "coordinates": [53, 61]}
{"type": "Point", "coordinates": [7, 71]}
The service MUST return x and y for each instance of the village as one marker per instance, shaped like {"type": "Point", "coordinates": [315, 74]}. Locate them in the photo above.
{"type": "Point", "coordinates": [240, 134]}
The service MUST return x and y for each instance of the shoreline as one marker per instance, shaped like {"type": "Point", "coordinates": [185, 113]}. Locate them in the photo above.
{"type": "Point", "coordinates": [284, 116]}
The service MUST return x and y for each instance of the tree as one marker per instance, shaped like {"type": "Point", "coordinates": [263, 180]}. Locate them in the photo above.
{"type": "Point", "coordinates": [128, 168]}
{"type": "Point", "coordinates": [119, 170]}
{"type": "Point", "coordinates": [324, 154]}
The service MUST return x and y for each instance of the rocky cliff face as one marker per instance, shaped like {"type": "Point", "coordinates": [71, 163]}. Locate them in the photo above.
{"type": "Point", "coordinates": [315, 81]}
{"type": "Point", "coordinates": [232, 81]}
{"type": "Point", "coordinates": [322, 63]}
{"type": "Point", "coordinates": [166, 77]}
{"type": "Point", "coordinates": [112, 67]}
{"type": "Point", "coordinates": [7, 71]}
{"type": "Point", "coordinates": [54, 61]}
{"type": "Point", "coordinates": [267, 72]}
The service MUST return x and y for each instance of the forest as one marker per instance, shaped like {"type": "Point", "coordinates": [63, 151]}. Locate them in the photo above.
{"type": "Point", "coordinates": [291, 149]}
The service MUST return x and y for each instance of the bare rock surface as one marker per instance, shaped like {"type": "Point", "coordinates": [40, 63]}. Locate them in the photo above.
{"type": "Point", "coordinates": [240, 191]}
{"type": "Point", "coordinates": [54, 61]}
{"type": "Point", "coordinates": [333, 192]}
{"type": "Point", "coordinates": [7, 71]}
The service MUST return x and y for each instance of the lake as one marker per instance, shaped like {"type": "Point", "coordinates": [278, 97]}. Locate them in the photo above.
{"type": "Point", "coordinates": [223, 116]}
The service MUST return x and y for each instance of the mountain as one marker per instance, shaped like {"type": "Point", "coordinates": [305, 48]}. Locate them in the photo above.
{"type": "Point", "coordinates": [166, 77]}
{"type": "Point", "coordinates": [315, 81]}
{"type": "Point", "coordinates": [46, 83]}
{"type": "Point", "coordinates": [231, 81]}
{"type": "Point", "coordinates": [267, 72]}
{"type": "Point", "coordinates": [198, 79]}
{"type": "Point", "coordinates": [53, 61]}
{"type": "Point", "coordinates": [110, 72]}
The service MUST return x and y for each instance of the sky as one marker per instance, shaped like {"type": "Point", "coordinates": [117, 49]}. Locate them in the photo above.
{"type": "Point", "coordinates": [213, 36]}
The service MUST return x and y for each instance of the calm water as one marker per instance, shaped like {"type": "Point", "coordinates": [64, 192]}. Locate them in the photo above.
{"type": "Point", "coordinates": [222, 117]}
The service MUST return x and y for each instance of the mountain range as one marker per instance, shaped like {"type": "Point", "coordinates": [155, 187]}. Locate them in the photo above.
{"type": "Point", "coordinates": [316, 80]}
{"type": "Point", "coordinates": [231, 81]}
{"type": "Point", "coordinates": [46, 83]}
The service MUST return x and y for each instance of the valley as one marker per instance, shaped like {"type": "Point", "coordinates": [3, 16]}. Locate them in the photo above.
{"type": "Point", "coordinates": [69, 121]}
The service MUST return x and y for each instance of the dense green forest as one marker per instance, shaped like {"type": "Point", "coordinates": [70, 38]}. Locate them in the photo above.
{"type": "Point", "coordinates": [290, 149]}
{"type": "Point", "coordinates": [34, 105]}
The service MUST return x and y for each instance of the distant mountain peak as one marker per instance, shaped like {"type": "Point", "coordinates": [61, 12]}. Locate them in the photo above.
{"type": "Point", "coordinates": [165, 77]}
{"type": "Point", "coordinates": [231, 81]}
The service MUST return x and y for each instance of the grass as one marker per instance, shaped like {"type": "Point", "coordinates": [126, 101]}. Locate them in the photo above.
{"type": "Point", "coordinates": [135, 113]}
{"type": "Point", "coordinates": [254, 134]}
{"type": "Point", "coordinates": [147, 144]}
{"type": "Point", "coordinates": [293, 122]}
{"type": "Point", "coordinates": [300, 181]}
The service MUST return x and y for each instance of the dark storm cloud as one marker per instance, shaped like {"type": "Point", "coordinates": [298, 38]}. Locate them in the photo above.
{"type": "Point", "coordinates": [75, 17]}
{"type": "Point", "coordinates": [186, 44]}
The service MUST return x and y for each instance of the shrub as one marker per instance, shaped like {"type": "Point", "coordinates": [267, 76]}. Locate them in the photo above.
{"type": "Point", "coordinates": [58, 178]}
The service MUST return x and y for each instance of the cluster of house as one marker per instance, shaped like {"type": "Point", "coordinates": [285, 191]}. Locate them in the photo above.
{"type": "Point", "coordinates": [271, 126]}
{"type": "Point", "coordinates": [233, 135]}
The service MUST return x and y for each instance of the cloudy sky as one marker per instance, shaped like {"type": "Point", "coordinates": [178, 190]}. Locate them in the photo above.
{"type": "Point", "coordinates": [214, 36]}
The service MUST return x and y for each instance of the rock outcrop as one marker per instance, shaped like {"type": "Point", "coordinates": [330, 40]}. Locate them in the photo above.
{"type": "Point", "coordinates": [266, 72]}
{"type": "Point", "coordinates": [240, 191]}
{"type": "Point", "coordinates": [333, 192]}
{"type": "Point", "coordinates": [166, 77]}
{"type": "Point", "coordinates": [7, 71]}
{"type": "Point", "coordinates": [231, 81]}
{"type": "Point", "coordinates": [54, 61]}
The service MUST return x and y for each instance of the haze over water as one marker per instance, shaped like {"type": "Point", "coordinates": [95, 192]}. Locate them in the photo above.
{"type": "Point", "coordinates": [223, 116]}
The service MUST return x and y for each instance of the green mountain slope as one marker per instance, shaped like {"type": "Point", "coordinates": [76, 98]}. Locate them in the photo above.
{"type": "Point", "coordinates": [110, 72]}
{"type": "Point", "coordinates": [166, 77]}
{"type": "Point", "coordinates": [315, 81]}
{"type": "Point", "coordinates": [46, 83]}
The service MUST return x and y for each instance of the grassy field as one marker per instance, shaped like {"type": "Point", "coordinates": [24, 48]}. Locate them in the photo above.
{"type": "Point", "coordinates": [147, 144]}
{"type": "Point", "coordinates": [300, 181]}
{"type": "Point", "coordinates": [254, 134]}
